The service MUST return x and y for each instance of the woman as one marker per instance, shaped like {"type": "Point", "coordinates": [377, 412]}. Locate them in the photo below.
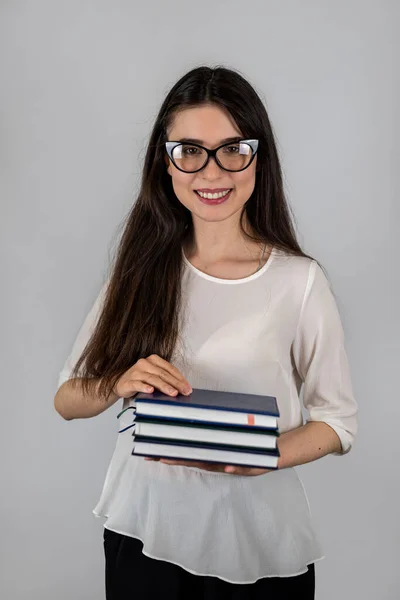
{"type": "Point", "coordinates": [211, 290]}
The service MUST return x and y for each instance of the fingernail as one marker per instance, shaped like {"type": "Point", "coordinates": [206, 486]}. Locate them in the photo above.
{"type": "Point", "coordinates": [188, 391]}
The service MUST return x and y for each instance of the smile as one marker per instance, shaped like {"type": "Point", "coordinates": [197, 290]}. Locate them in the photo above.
{"type": "Point", "coordinates": [213, 195]}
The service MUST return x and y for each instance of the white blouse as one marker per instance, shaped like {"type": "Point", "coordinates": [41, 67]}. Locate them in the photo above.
{"type": "Point", "coordinates": [271, 333]}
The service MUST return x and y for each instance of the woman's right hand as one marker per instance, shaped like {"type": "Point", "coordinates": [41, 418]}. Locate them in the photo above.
{"type": "Point", "coordinates": [149, 374]}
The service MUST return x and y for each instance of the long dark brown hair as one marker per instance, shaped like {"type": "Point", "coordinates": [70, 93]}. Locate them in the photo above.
{"type": "Point", "coordinates": [140, 313]}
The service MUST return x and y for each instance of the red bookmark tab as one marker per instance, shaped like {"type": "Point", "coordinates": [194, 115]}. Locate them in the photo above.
{"type": "Point", "coordinates": [250, 419]}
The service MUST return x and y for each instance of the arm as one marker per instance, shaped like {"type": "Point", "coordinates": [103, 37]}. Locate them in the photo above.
{"type": "Point", "coordinates": [145, 376]}
{"type": "Point", "coordinates": [307, 443]}
{"type": "Point", "coordinates": [297, 447]}
{"type": "Point", "coordinates": [71, 403]}
{"type": "Point", "coordinates": [320, 360]}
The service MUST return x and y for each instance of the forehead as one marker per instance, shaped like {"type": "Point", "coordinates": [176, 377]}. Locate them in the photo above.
{"type": "Point", "coordinates": [209, 124]}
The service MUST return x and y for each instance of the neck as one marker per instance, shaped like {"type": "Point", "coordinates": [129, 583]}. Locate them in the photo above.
{"type": "Point", "coordinates": [215, 242]}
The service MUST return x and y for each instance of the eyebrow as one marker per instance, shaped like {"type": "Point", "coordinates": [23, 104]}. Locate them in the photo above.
{"type": "Point", "coordinates": [201, 142]}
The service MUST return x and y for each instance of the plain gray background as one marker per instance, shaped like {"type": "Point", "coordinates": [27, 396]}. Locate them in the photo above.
{"type": "Point", "coordinates": [80, 85]}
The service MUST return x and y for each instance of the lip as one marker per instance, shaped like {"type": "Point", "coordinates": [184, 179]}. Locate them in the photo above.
{"type": "Point", "coordinates": [211, 190]}
{"type": "Point", "coordinates": [213, 201]}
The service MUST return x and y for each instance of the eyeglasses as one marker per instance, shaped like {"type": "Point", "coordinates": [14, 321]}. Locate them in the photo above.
{"type": "Point", "coordinates": [233, 156]}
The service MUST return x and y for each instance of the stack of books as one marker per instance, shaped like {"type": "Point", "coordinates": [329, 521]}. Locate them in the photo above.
{"type": "Point", "coordinates": [207, 426]}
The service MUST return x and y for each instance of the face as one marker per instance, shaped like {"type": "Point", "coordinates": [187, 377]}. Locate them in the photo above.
{"type": "Point", "coordinates": [210, 126]}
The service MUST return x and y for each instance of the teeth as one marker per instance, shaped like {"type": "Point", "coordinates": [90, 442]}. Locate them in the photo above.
{"type": "Point", "coordinates": [210, 196]}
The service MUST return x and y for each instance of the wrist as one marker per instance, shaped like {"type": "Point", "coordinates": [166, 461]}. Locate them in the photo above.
{"type": "Point", "coordinates": [112, 396]}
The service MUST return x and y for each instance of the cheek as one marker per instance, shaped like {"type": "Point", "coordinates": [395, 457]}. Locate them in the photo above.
{"type": "Point", "coordinates": [245, 180]}
{"type": "Point", "coordinates": [183, 186]}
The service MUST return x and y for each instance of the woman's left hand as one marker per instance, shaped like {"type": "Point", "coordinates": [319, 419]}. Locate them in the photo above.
{"type": "Point", "coordinates": [296, 447]}
{"type": "Point", "coordinates": [231, 469]}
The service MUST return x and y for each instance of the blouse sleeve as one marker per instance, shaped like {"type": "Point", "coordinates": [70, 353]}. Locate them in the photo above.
{"type": "Point", "coordinates": [321, 361]}
{"type": "Point", "coordinates": [83, 337]}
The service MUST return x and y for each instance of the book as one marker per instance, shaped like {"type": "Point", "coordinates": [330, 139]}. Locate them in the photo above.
{"type": "Point", "coordinates": [208, 434]}
{"type": "Point", "coordinates": [208, 406]}
{"type": "Point", "coordinates": [205, 453]}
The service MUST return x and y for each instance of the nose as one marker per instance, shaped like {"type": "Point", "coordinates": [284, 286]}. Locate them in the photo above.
{"type": "Point", "coordinates": [211, 171]}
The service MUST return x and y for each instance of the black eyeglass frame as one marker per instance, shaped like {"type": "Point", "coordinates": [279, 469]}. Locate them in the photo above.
{"type": "Point", "coordinates": [170, 147]}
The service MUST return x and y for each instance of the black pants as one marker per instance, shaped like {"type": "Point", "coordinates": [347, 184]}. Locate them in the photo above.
{"type": "Point", "coordinates": [130, 575]}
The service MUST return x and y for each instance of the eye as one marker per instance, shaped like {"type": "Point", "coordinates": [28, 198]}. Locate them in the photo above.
{"type": "Point", "coordinates": [190, 150]}
{"type": "Point", "coordinates": [232, 149]}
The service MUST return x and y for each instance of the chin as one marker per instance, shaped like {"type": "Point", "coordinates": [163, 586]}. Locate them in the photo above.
{"type": "Point", "coordinates": [211, 215]}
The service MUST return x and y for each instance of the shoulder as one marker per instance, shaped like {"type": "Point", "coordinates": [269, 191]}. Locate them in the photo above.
{"type": "Point", "coordinates": [296, 271]}
{"type": "Point", "coordinates": [298, 277]}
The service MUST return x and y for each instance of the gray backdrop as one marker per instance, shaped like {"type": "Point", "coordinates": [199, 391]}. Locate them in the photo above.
{"type": "Point", "coordinates": [80, 85]}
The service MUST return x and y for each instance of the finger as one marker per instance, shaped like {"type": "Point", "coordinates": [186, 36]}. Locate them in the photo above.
{"type": "Point", "coordinates": [152, 375]}
{"type": "Point", "coordinates": [178, 379]}
{"type": "Point", "coordinates": [145, 382]}
{"type": "Point", "coordinates": [170, 461]}
{"type": "Point", "coordinates": [199, 465]}
{"type": "Point", "coordinates": [158, 383]}
{"type": "Point", "coordinates": [141, 386]}
{"type": "Point", "coordinates": [216, 468]}
{"type": "Point", "coordinates": [129, 387]}
{"type": "Point", "coordinates": [166, 366]}
{"type": "Point", "coordinates": [235, 470]}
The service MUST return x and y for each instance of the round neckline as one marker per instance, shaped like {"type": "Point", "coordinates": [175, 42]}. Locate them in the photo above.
{"type": "Point", "coordinates": [249, 278]}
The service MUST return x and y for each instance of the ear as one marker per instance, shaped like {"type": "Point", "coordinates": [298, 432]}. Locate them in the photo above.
{"type": "Point", "coordinates": [168, 164]}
